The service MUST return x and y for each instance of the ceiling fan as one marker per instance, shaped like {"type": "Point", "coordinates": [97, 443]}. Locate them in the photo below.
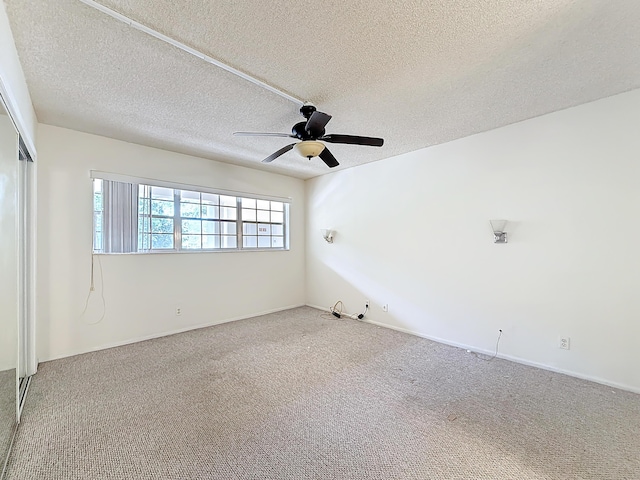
{"type": "Point", "coordinates": [310, 132]}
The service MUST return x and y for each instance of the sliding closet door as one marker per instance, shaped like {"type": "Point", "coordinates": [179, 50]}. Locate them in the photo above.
{"type": "Point", "coordinates": [9, 281]}
{"type": "Point", "coordinates": [25, 267]}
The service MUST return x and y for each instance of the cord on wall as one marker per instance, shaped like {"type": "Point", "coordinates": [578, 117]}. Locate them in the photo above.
{"type": "Point", "coordinates": [336, 311]}
{"type": "Point", "coordinates": [92, 289]}
{"type": "Point", "coordinates": [494, 355]}
{"type": "Point", "coordinates": [366, 309]}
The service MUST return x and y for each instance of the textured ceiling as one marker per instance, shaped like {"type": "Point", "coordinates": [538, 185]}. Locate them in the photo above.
{"type": "Point", "coordinates": [416, 73]}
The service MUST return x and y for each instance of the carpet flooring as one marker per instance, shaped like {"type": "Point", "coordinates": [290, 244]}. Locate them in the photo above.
{"type": "Point", "coordinates": [7, 412]}
{"type": "Point", "coordinates": [303, 395]}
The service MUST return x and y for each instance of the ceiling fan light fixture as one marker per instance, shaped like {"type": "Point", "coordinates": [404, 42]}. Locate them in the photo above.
{"type": "Point", "coordinates": [309, 133]}
{"type": "Point", "coordinates": [309, 148]}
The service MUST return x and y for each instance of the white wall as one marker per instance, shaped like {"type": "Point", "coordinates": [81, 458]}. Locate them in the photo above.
{"type": "Point", "coordinates": [413, 232]}
{"type": "Point", "coordinates": [142, 291]}
{"type": "Point", "coordinates": [13, 86]}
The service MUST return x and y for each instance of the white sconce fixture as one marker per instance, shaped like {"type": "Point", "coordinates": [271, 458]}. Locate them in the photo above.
{"type": "Point", "coordinates": [327, 235]}
{"type": "Point", "coordinates": [499, 235]}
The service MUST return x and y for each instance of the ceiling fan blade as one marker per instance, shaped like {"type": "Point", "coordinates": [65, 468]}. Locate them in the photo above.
{"type": "Point", "coordinates": [353, 140]}
{"type": "Point", "coordinates": [275, 155]}
{"type": "Point", "coordinates": [261, 134]}
{"type": "Point", "coordinates": [316, 123]}
{"type": "Point", "coordinates": [328, 158]}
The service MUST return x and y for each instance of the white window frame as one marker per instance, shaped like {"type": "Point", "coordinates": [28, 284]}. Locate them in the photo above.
{"type": "Point", "coordinates": [177, 217]}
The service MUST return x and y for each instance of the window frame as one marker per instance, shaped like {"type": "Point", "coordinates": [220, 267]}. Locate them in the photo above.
{"type": "Point", "coordinates": [177, 189]}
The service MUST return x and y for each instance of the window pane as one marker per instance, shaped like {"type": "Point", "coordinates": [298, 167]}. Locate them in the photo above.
{"type": "Point", "coordinates": [264, 229]}
{"type": "Point", "coordinates": [277, 217]}
{"type": "Point", "coordinates": [249, 229]}
{"type": "Point", "coordinates": [249, 242]}
{"type": "Point", "coordinates": [211, 199]}
{"type": "Point", "coordinates": [210, 241]}
{"type": "Point", "coordinates": [264, 216]}
{"type": "Point", "coordinates": [277, 230]}
{"type": "Point", "coordinates": [227, 213]}
{"type": "Point", "coordinates": [248, 203]}
{"type": "Point", "coordinates": [191, 210]}
{"type": "Point", "coordinates": [191, 226]}
{"type": "Point", "coordinates": [144, 224]}
{"type": "Point", "coordinates": [162, 207]}
{"type": "Point", "coordinates": [190, 242]}
{"type": "Point", "coordinates": [228, 241]}
{"type": "Point", "coordinates": [248, 215]}
{"type": "Point", "coordinates": [210, 226]}
{"type": "Point", "coordinates": [162, 225]}
{"type": "Point", "coordinates": [263, 204]}
{"type": "Point", "coordinates": [209, 211]}
{"type": "Point", "coordinates": [227, 201]}
{"type": "Point", "coordinates": [144, 241]}
{"type": "Point", "coordinates": [97, 194]}
{"type": "Point", "coordinates": [264, 242]}
{"type": "Point", "coordinates": [162, 193]}
{"type": "Point", "coordinates": [277, 206]}
{"type": "Point", "coordinates": [277, 242]}
{"type": "Point", "coordinates": [161, 241]}
{"type": "Point", "coordinates": [189, 197]}
{"type": "Point", "coordinates": [228, 228]}
{"type": "Point", "coordinates": [143, 206]}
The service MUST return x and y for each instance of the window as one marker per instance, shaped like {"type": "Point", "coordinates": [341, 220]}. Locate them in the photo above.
{"type": "Point", "coordinates": [138, 218]}
{"type": "Point", "coordinates": [263, 223]}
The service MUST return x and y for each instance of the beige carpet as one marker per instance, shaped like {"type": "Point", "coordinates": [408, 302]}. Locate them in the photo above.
{"type": "Point", "coordinates": [301, 395]}
{"type": "Point", "coordinates": [7, 412]}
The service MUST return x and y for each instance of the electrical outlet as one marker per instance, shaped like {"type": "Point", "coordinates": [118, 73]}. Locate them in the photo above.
{"type": "Point", "coordinates": [178, 311]}
{"type": "Point", "coordinates": [385, 307]}
{"type": "Point", "coordinates": [564, 343]}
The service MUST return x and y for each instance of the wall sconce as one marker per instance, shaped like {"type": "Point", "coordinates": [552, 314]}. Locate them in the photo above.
{"type": "Point", "coordinates": [327, 235]}
{"type": "Point", "coordinates": [499, 235]}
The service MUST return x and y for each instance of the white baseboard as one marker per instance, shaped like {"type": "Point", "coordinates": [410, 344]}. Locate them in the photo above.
{"type": "Point", "coordinates": [511, 358]}
{"type": "Point", "coordinates": [167, 333]}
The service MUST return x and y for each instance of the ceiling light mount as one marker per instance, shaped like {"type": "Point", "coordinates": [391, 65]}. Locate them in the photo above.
{"type": "Point", "coordinates": [307, 110]}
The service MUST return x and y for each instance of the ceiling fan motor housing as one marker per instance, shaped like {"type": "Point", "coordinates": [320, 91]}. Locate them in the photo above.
{"type": "Point", "coordinates": [300, 131]}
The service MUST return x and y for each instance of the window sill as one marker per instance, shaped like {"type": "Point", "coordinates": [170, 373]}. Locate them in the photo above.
{"type": "Point", "coordinates": [190, 252]}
